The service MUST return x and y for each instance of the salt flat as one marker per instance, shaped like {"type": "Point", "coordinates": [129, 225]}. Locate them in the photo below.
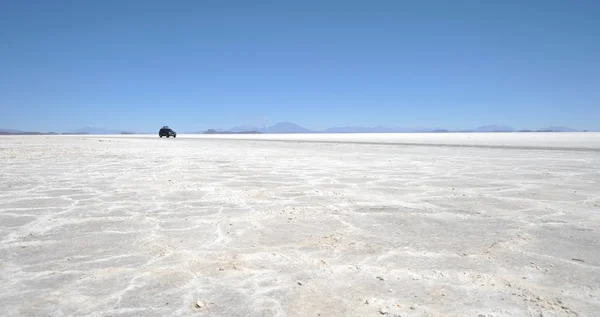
{"type": "Point", "coordinates": [310, 225]}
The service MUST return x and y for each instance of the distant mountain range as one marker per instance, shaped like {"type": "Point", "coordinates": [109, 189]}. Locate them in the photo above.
{"type": "Point", "coordinates": [494, 128]}
{"type": "Point", "coordinates": [289, 127]}
{"type": "Point", "coordinates": [82, 131]}
{"type": "Point", "coordinates": [376, 129]}
{"type": "Point", "coordinates": [559, 129]}
{"type": "Point", "coordinates": [20, 132]}
{"type": "Point", "coordinates": [213, 131]}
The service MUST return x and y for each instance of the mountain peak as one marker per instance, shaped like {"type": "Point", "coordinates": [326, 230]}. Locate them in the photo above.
{"type": "Point", "coordinates": [287, 127]}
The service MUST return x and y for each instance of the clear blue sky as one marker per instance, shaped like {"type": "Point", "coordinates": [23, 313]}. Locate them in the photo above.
{"type": "Point", "coordinates": [201, 64]}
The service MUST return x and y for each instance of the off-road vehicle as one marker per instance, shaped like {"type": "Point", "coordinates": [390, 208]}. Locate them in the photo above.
{"type": "Point", "coordinates": [166, 131]}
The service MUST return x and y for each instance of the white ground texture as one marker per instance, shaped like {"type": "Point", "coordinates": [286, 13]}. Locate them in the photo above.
{"type": "Point", "coordinates": [301, 225]}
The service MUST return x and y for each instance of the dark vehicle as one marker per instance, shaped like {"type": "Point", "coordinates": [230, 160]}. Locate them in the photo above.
{"type": "Point", "coordinates": [166, 131]}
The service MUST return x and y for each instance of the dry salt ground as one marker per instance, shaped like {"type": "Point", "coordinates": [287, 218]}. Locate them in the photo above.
{"type": "Point", "coordinates": [301, 225]}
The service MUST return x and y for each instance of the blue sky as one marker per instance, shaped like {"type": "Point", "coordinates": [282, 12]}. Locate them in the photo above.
{"type": "Point", "coordinates": [215, 64]}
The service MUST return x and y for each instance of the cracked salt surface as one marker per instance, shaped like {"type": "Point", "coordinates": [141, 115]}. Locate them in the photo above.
{"type": "Point", "coordinates": [209, 226]}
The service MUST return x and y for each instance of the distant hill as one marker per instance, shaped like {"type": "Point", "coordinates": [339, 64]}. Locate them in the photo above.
{"type": "Point", "coordinates": [348, 129]}
{"type": "Point", "coordinates": [19, 132]}
{"type": "Point", "coordinates": [494, 128]}
{"type": "Point", "coordinates": [242, 128]}
{"type": "Point", "coordinates": [377, 129]}
{"type": "Point", "coordinates": [558, 129]}
{"type": "Point", "coordinates": [213, 131]}
{"type": "Point", "coordinates": [281, 127]}
{"type": "Point", "coordinates": [10, 130]}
